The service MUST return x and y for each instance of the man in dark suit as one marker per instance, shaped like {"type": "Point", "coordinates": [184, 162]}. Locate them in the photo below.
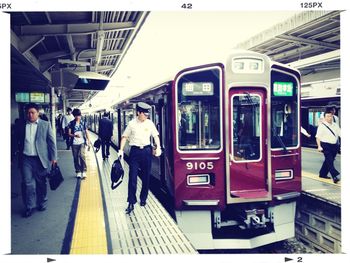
{"type": "Point", "coordinates": [37, 152]}
{"type": "Point", "coordinates": [105, 132]}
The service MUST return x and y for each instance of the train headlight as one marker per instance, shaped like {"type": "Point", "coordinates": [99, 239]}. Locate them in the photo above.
{"type": "Point", "coordinates": [247, 65]}
{"type": "Point", "coordinates": [198, 179]}
{"type": "Point", "coordinates": [283, 174]}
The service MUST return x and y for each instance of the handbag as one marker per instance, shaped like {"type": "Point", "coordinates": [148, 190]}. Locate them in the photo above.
{"type": "Point", "coordinates": [117, 174]}
{"type": "Point", "coordinates": [55, 177]}
{"type": "Point", "coordinates": [97, 145]}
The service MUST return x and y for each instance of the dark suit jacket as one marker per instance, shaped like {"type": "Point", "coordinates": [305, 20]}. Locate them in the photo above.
{"type": "Point", "coordinates": [105, 128]}
{"type": "Point", "coordinates": [45, 142]}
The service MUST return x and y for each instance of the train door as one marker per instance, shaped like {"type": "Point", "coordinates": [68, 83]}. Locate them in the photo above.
{"type": "Point", "coordinates": [247, 147]}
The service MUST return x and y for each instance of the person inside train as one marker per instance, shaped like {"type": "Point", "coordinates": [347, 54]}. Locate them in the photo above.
{"type": "Point", "coordinates": [327, 137]}
{"type": "Point", "coordinates": [138, 132]}
{"type": "Point", "coordinates": [245, 134]}
{"type": "Point", "coordinates": [105, 133]}
{"type": "Point", "coordinates": [79, 135]}
{"type": "Point", "coordinates": [37, 153]}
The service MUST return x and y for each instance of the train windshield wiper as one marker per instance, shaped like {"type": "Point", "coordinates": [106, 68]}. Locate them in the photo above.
{"type": "Point", "coordinates": [279, 140]}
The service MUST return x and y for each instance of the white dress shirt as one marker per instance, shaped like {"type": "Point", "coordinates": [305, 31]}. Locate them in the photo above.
{"type": "Point", "coordinates": [66, 120]}
{"type": "Point", "coordinates": [325, 135]}
{"type": "Point", "coordinates": [139, 133]}
{"type": "Point", "coordinates": [29, 141]}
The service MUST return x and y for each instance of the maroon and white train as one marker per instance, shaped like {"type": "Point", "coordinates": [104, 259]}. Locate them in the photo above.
{"type": "Point", "coordinates": [231, 157]}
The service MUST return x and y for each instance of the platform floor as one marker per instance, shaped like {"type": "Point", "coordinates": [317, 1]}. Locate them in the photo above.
{"type": "Point", "coordinates": [317, 187]}
{"type": "Point", "coordinates": [88, 217]}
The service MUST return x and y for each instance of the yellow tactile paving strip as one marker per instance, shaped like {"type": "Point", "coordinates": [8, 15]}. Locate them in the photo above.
{"type": "Point", "coordinates": [89, 236]}
{"type": "Point", "coordinates": [324, 180]}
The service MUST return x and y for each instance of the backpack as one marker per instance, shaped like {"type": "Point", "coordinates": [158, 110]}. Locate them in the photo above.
{"type": "Point", "coordinates": [117, 174]}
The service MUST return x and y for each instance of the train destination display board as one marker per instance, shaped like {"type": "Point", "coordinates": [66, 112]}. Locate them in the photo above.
{"type": "Point", "coordinates": [283, 89]}
{"type": "Point", "coordinates": [197, 89]}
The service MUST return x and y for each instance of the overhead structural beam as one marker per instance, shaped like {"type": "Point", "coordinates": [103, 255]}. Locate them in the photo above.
{"type": "Point", "coordinates": [29, 42]}
{"type": "Point", "coordinates": [91, 53]}
{"type": "Point", "coordinates": [100, 41]}
{"type": "Point", "coordinates": [319, 59]}
{"type": "Point", "coordinates": [72, 29]}
{"type": "Point", "coordinates": [301, 20]}
{"type": "Point", "coordinates": [84, 54]}
{"type": "Point", "coordinates": [53, 55]}
{"type": "Point", "coordinates": [28, 56]}
{"type": "Point", "coordinates": [99, 46]}
{"type": "Point", "coordinates": [71, 46]}
{"type": "Point", "coordinates": [308, 41]}
{"type": "Point", "coordinates": [289, 53]}
{"type": "Point", "coordinates": [128, 43]}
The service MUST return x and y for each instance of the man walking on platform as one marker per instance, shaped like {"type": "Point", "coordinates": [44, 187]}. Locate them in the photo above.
{"type": "Point", "coordinates": [138, 133]}
{"type": "Point", "coordinates": [328, 133]}
{"type": "Point", "coordinates": [37, 153]}
{"type": "Point", "coordinates": [65, 122]}
{"type": "Point", "coordinates": [105, 132]}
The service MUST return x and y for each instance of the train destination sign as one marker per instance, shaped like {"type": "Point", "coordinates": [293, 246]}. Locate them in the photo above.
{"type": "Point", "coordinates": [197, 89]}
{"type": "Point", "coordinates": [283, 89]}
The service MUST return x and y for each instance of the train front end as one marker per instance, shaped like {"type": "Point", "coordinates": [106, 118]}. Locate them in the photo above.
{"type": "Point", "coordinates": [237, 156]}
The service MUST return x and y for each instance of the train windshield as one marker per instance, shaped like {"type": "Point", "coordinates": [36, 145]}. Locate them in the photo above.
{"type": "Point", "coordinates": [246, 118]}
{"type": "Point", "coordinates": [198, 111]}
{"type": "Point", "coordinates": [284, 111]}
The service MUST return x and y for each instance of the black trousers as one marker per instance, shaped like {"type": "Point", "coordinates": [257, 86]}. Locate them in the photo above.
{"type": "Point", "coordinates": [139, 159]}
{"type": "Point", "coordinates": [330, 152]}
{"type": "Point", "coordinates": [105, 144]}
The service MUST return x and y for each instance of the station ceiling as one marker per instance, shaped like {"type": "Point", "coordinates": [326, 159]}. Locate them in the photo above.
{"type": "Point", "coordinates": [43, 42]}
{"type": "Point", "coordinates": [305, 35]}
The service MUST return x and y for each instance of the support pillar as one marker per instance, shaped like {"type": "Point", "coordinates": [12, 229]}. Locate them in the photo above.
{"type": "Point", "coordinates": [53, 111]}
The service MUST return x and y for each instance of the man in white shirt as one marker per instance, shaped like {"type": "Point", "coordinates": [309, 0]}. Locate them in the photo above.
{"type": "Point", "coordinates": [65, 122]}
{"type": "Point", "coordinates": [138, 133]}
{"type": "Point", "coordinates": [328, 133]}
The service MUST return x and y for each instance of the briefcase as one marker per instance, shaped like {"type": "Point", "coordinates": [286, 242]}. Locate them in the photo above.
{"type": "Point", "coordinates": [55, 177]}
{"type": "Point", "coordinates": [117, 174]}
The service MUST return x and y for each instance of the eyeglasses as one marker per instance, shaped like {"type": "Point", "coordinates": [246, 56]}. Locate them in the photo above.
{"type": "Point", "coordinates": [145, 113]}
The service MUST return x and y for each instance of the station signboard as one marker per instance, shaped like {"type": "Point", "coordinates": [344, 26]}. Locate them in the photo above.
{"type": "Point", "coordinates": [22, 97]}
{"type": "Point", "coordinates": [37, 97]}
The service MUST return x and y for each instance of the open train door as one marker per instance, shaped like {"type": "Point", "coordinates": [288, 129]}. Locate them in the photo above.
{"type": "Point", "coordinates": [247, 132]}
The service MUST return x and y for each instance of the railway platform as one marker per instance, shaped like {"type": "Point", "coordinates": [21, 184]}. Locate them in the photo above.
{"type": "Point", "coordinates": [87, 217]}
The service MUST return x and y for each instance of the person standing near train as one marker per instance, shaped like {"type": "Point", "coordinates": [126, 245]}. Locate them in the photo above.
{"type": "Point", "coordinates": [105, 132]}
{"type": "Point", "coordinates": [327, 137]}
{"type": "Point", "coordinates": [66, 119]}
{"type": "Point", "coordinates": [138, 133]}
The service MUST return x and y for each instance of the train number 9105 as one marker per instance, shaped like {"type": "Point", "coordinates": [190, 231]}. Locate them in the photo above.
{"type": "Point", "coordinates": [199, 165]}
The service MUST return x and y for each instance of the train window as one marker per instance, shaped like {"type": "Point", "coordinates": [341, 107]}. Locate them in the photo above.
{"type": "Point", "coordinates": [128, 116]}
{"type": "Point", "coordinates": [284, 111]}
{"type": "Point", "coordinates": [246, 118]}
{"type": "Point", "coordinates": [198, 111]}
